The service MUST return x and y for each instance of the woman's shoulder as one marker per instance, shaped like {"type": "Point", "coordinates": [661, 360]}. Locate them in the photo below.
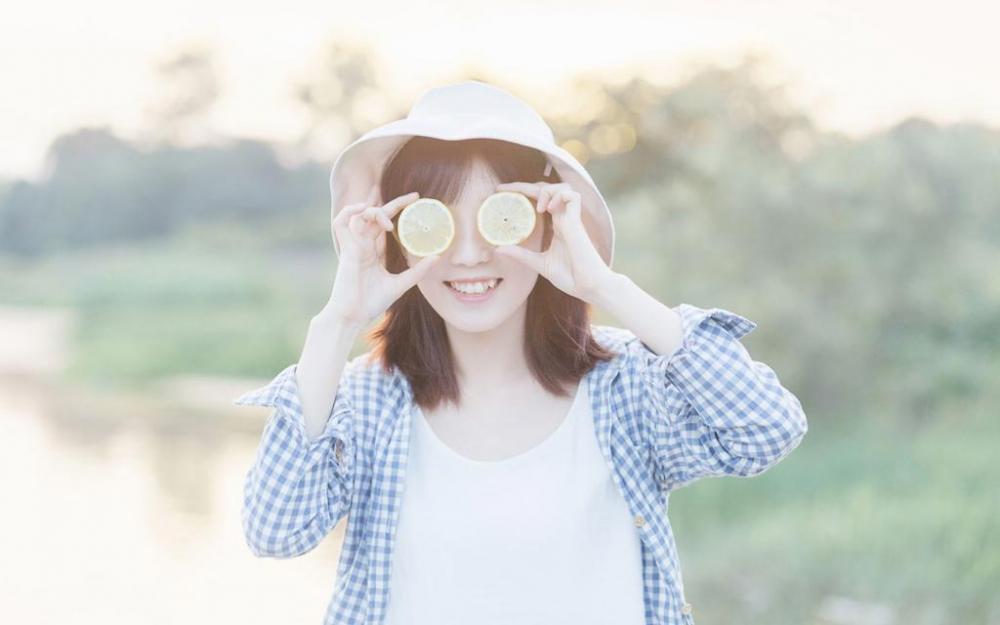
{"type": "Point", "coordinates": [612, 337]}
{"type": "Point", "coordinates": [366, 378]}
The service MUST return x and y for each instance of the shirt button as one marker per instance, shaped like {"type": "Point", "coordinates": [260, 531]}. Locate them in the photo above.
{"type": "Point", "coordinates": [686, 609]}
{"type": "Point", "coordinates": [639, 521]}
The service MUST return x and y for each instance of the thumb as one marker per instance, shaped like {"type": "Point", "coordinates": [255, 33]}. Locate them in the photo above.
{"type": "Point", "coordinates": [417, 272]}
{"type": "Point", "coordinates": [528, 257]}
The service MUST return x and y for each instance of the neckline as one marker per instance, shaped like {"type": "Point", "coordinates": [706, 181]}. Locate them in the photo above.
{"type": "Point", "coordinates": [545, 442]}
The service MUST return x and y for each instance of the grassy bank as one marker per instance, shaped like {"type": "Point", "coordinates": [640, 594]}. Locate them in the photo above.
{"type": "Point", "coordinates": [898, 514]}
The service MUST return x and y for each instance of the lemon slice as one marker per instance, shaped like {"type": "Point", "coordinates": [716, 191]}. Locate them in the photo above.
{"type": "Point", "coordinates": [506, 218]}
{"type": "Point", "coordinates": [425, 227]}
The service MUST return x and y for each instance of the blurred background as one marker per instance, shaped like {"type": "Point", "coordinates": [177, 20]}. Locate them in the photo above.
{"type": "Point", "coordinates": [829, 170]}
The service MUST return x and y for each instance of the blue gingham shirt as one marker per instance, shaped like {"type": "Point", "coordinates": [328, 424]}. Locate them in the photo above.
{"type": "Point", "coordinates": [662, 421]}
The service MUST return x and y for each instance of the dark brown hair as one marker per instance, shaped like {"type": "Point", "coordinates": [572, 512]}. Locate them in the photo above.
{"type": "Point", "coordinates": [413, 337]}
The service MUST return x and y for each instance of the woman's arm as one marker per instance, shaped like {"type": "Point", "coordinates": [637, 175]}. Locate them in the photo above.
{"type": "Point", "coordinates": [710, 408]}
{"type": "Point", "coordinates": [299, 486]}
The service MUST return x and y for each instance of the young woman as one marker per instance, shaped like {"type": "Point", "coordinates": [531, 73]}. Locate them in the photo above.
{"type": "Point", "coordinates": [500, 458]}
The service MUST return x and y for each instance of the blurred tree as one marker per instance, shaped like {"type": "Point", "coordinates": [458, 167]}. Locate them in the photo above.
{"type": "Point", "coordinates": [342, 100]}
{"type": "Point", "coordinates": [101, 189]}
{"type": "Point", "coordinates": [874, 259]}
{"type": "Point", "coordinates": [189, 89]}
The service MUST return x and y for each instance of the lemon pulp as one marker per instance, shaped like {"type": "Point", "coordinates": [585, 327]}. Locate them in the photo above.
{"type": "Point", "coordinates": [425, 227]}
{"type": "Point", "coordinates": [506, 218]}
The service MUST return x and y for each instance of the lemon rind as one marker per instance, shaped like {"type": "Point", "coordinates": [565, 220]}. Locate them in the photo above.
{"type": "Point", "coordinates": [451, 223]}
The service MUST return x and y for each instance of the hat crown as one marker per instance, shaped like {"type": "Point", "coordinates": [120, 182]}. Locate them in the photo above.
{"type": "Point", "coordinates": [479, 99]}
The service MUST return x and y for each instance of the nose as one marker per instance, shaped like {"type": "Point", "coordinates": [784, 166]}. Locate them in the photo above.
{"type": "Point", "coordinates": [469, 247]}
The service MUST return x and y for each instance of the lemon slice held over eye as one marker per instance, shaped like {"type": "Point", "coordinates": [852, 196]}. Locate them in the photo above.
{"type": "Point", "coordinates": [506, 218]}
{"type": "Point", "coordinates": [425, 227]}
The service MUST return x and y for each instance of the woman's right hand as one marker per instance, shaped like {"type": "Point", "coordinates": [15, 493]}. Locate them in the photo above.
{"type": "Point", "coordinates": [363, 288]}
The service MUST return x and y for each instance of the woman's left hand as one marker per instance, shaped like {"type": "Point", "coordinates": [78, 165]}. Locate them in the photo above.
{"type": "Point", "coordinates": [571, 262]}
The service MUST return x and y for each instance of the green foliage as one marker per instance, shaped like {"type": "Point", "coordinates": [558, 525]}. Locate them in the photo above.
{"type": "Point", "coordinates": [101, 190]}
{"type": "Point", "coordinates": [870, 265]}
{"type": "Point", "coordinates": [882, 513]}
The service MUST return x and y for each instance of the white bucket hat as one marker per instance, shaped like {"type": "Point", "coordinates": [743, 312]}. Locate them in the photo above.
{"type": "Point", "coordinates": [468, 110]}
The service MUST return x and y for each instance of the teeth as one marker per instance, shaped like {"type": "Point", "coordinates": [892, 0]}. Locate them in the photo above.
{"type": "Point", "coordinates": [473, 287]}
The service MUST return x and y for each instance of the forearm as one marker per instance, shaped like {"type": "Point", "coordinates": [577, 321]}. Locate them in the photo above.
{"type": "Point", "coordinates": [327, 347]}
{"type": "Point", "coordinates": [714, 409]}
{"type": "Point", "coordinates": [654, 323]}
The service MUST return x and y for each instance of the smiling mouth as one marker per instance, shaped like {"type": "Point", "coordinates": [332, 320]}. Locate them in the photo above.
{"type": "Point", "coordinates": [481, 288]}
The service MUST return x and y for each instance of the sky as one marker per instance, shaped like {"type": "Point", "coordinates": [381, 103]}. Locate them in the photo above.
{"type": "Point", "coordinates": [856, 65]}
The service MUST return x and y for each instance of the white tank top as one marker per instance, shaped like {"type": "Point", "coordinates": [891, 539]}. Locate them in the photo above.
{"type": "Point", "coordinates": [538, 538]}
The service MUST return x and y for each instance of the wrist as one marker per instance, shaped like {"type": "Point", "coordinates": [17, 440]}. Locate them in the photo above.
{"type": "Point", "coordinates": [330, 318]}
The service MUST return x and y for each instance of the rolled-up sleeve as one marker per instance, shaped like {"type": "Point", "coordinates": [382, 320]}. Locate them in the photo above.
{"type": "Point", "coordinates": [297, 489]}
{"type": "Point", "coordinates": [711, 409]}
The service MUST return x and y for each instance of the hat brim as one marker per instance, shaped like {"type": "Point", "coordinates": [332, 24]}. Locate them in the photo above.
{"type": "Point", "coordinates": [359, 166]}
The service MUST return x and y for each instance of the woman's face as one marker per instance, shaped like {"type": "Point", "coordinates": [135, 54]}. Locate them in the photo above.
{"type": "Point", "coordinates": [471, 256]}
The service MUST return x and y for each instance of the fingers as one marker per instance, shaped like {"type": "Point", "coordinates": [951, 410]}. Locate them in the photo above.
{"type": "Point", "coordinates": [535, 260]}
{"type": "Point", "coordinates": [359, 217]}
{"type": "Point", "coordinates": [416, 273]}
{"type": "Point", "coordinates": [345, 213]}
{"type": "Point", "coordinates": [367, 213]}
{"type": "Point", "coordinates": [392, 207]}
{"type": "Point", "coordinates": [543, 199]}
{"type": "Point", "coordinates": [341, 223]}
{"type": "Point", "coordinates": [530, 189]}
{"type": "Point", "coordinates": [380, 245]}
{"type": "Point", "coordinates": [563, 199]}
{"type": "Point", "coordinates": [375, 213]}
{"type": "Point", "coordinates": [384, 214]}
{"type": "Point", "coordinates": [571, 200]}
{"type": "Point", "coordinates": [543, 192]}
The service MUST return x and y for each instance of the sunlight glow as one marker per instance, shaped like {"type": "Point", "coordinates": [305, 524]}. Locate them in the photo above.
{"type": "Point", "coordinates": [857, 65]}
